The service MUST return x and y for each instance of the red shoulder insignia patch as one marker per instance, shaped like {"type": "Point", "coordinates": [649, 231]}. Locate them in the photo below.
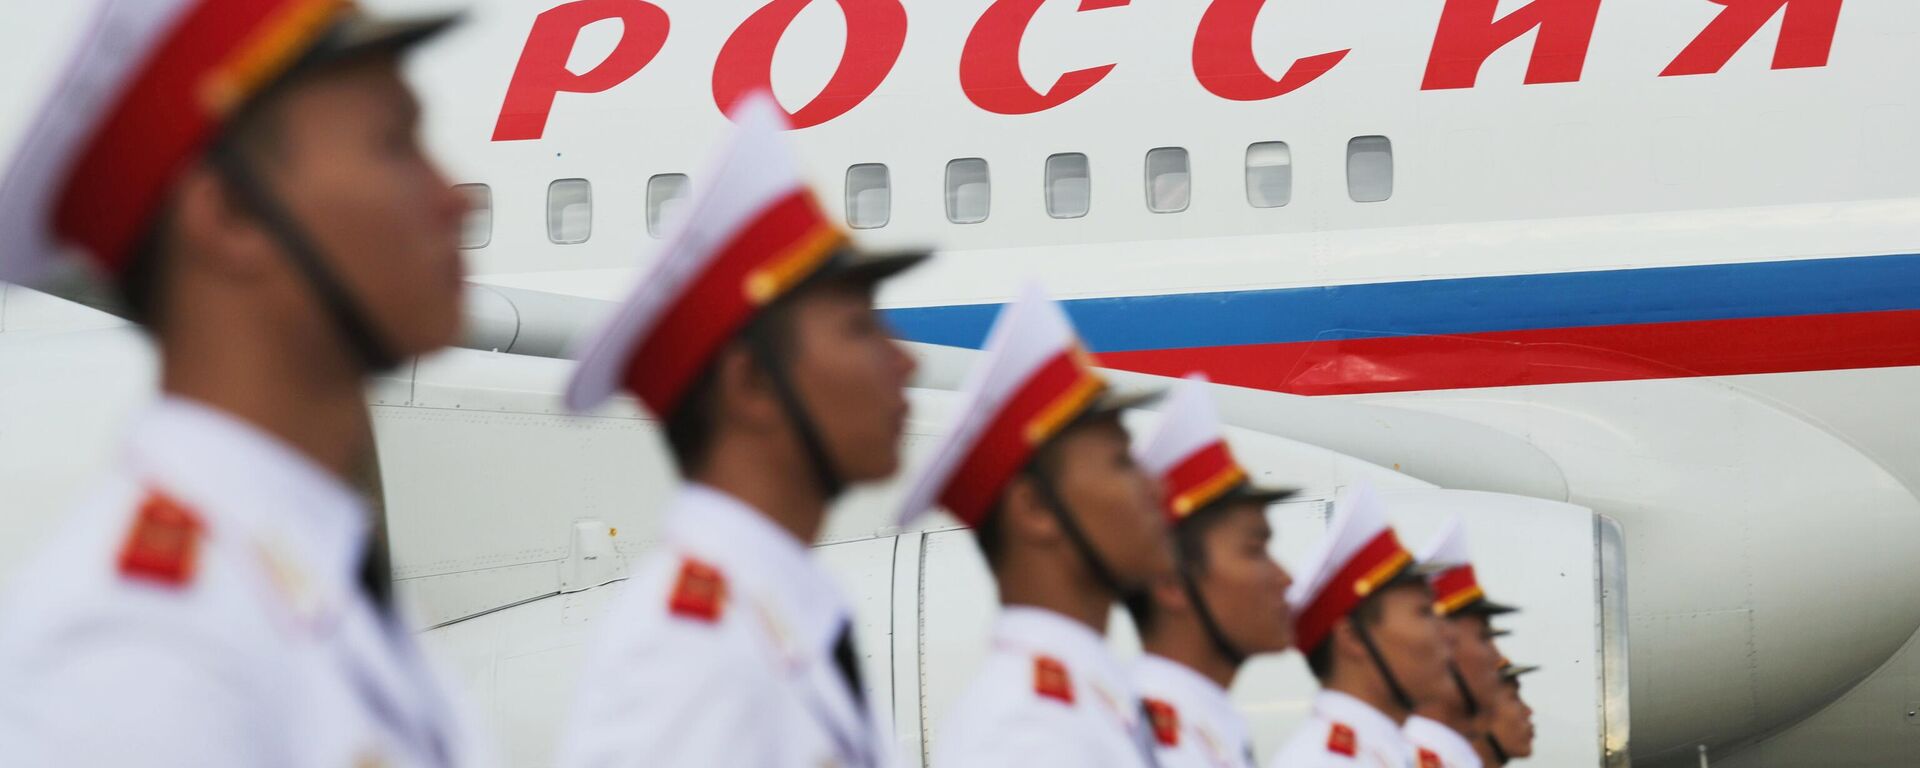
{"type": "Point", "coordinates": [1050, 679]}
{"type": "Point", "coordinates": [1165, 721]}
{"type": "Point", "coordinates": [700, 592]}
{"type": "Point", "coordinates": [164, 544]}
{"type": "Point", "coordinates": [1341, 741]}
{"type": "Point", "coordinates": [1430, 760]}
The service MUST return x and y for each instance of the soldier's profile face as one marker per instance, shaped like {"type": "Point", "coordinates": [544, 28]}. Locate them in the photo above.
{"type": "Point", "coordinates": [1410, 638]}
{"type": "Point", "coordinates": [852, 375]}
{"type": "Point", "coordinates": [1512, 721]}
{"type": "Point", "coordinates": [1470, 641]}
{"type": "Point", "coordinates": [1115, 500]}
{"type": "Point", "coordinates": [348, 164]}
{"type": "Point", "coordinates": [1244, 587]}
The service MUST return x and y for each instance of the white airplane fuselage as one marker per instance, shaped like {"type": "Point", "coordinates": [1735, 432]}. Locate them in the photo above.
{"type": "Point", "coordinates": [1670, 244]}
{"type": "Point", "coordinates": [1654, 259]}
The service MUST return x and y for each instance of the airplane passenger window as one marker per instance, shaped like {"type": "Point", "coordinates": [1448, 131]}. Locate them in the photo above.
{"type": "Point", "coordinates": [1369, 169]}
{"type": "Point", "coordinates": [1169, 180]}
{"type": "Point", "coordinates": [569, 211]}
{"type": "Point", "coordinates": [969, 191]}
{"type": "Point", "coordinates": [1069, 186]}
{"type": "Point", "coordinates": [869, 196]}
{"type": "Point", "coordinates": [476, 229]}
{"type": "Point", "coordinates": [1269, 174]}
{"type": "Point", "coordinates": [667, 198]}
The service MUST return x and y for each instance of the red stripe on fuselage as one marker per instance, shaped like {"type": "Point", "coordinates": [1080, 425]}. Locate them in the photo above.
{"type": "Point", "coordinates": [1550, 356]}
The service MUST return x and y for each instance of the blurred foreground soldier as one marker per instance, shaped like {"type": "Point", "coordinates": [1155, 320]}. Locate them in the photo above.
{"type": "Point", "coordinates": [754, 338]}
{"type": "Point", "coordinates": [246, 173]}
{"type": "Point", "coordinates": [1227, 600]}
{"type": "Point", "coordinates": [1443, 728]}
{"type": "Point", "coordinates": [1039, 465]}
{"type": "Point", "coordinates": [1364, 618]}
{"type": "Point", "coordinates": [1510, 720]}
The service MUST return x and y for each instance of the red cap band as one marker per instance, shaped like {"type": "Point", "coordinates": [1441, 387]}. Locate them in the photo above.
{"type": "Point", "coordinates": [788, 241]}
{"type": "Point", "coordinates": [1455, 588]}
{"type": "Point", "coordinates": [218, 55]}
{"type": "Point", "coordinates": [1058, 391]}
{"type": "Point", "coordinates": [1201, 478]}
{"type": "Point", "coordinates": [1372, 566]}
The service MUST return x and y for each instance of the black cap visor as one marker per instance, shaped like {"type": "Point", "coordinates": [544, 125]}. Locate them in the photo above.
{"type": "Point", "coordinates": [357, 34]}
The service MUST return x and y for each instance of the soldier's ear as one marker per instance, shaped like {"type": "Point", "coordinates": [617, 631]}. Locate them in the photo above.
{"type": "Point", "coordinates": [1025, 514]}
{"type": "Point", "coordinates": [1169, 594]}
{"type": "Point", "coordinates": [1347, 648]}
{"type": "Point", "coordinates": [744, 395]}
{"type": "Point", "coordinates": [211, 230]}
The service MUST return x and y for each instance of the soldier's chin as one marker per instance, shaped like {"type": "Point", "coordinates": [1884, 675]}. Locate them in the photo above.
{"type": "Point", "coordinates": [443, 334]}
{"type": "Point", "coordinates": [880, 470]}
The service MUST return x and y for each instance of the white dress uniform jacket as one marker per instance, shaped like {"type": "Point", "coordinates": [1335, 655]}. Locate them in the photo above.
{"type": "Point", "coordinates": [719, 652]}
{"type": "Point", "coordinates": [204, 608]}
{"type": "Point", "coordinates": [1049, 695]}
{"type": "Point", "coordinates": [1437, 746]}
{"type": "Point", "coordinates": [1345, 731]}
{"type": "Point", "coordinates": [1194, 723]}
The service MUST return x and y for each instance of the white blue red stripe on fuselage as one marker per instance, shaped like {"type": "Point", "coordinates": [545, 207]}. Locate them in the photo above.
{"type": "Point", "coordinates": [1611, 325]}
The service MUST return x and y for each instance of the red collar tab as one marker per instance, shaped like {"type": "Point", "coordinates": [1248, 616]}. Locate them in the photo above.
{"type": "Point", "coordinates": [699, 593]}
{"type": "Point", "coordinates": [1342, 741]}
{"type": "Point", "coordinates": [1050, 679]}
{"type": "Point", "coordinates": [1165, 721]}
{"type": "Point", "coordinates": [163, 546]}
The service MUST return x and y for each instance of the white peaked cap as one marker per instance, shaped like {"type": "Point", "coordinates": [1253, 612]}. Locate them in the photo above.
{"type": "Point", "coordinates": [754, 233]}
{"type": "Point", "coordinates": [1188, 425]}
{"type": "Point", "coordinates": [1189, 454]}
{"type": "Point", "coordinates": [1456, 587]}
{"type": "Point", "coordinates": [1448, 549]}
{"type": "Point", "coordinates": [754, 168]}
{"type": "Point", "coordinates": [1359, 555]}
{"type": "Point", "coordinates": [117, 40]}
{"type": "Point", "coordinates": [147, 86]}
{"type": "Point", "coordinates": [1034, 381]}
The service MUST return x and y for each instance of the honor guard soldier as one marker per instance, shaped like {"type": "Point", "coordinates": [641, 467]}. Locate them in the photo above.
{"type": "Point", "coordinates": [246, 176]}
{"type": "Point", "coordinates": [755, 340]}
{"type": "Point", "coordinates": [1227, 599]}
{"type": "Point", "coordinates": [1444, 728]}
{"type": "Point", "coordinates": [1510, 721]}
{"type": "Point", "coordinates": [1039, 466]}
{"type": "Point", "coordinates": [1364, 618]}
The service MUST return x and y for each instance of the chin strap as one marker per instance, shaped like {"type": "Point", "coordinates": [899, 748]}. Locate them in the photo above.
{"type": "Point", "coordinates": [1466, 695]}
{"type": "Point", "coordinates": [350, 321]}
{"type": "Point", "coordinates": [819, 460]}
{"type": "Point", "coordinates": [1500, 756]}
{"type": "Point", "coordinates": [1101, 573]}
{"type": "Point", "coordinates": [1399, 694]}
{"type": "Point", "coordinates": [1215, 635]}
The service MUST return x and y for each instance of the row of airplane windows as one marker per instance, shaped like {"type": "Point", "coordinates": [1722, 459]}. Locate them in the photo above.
{"type": "Point", "coordinates": [1068, 190]}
